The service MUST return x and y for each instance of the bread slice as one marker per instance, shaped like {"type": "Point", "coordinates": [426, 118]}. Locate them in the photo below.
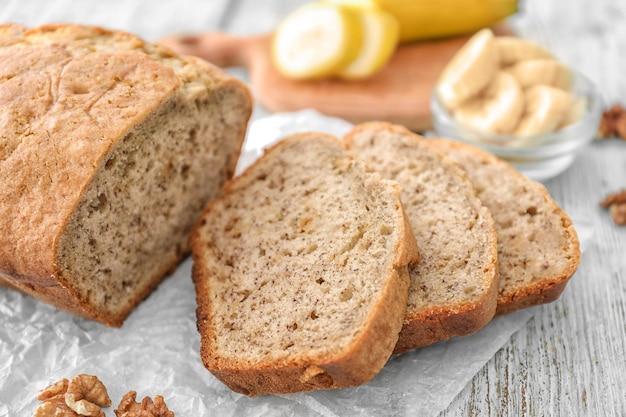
{"type": "Point", "coordinates": [538, 249]}
{"type": "Point", "coordinates": [110, 147]}
{"type": "Point", "coordinates": [301, 271]}
{"type": "Point", "coordinates": [454, 287]}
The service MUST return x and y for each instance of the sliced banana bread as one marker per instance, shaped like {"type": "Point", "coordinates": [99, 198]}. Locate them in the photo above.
{"type": "Point", "coordinates": [454, 287]}
{"type": "Point", "coordinates": [110, 148]}
{"type": "Point", "coordinates": [538, 248]}
{"type": "Point", "coordinates": [301, 271]}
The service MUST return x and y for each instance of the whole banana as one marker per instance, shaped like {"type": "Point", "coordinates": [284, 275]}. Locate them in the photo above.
{"type": "Point", "coordinates": [429, 19]}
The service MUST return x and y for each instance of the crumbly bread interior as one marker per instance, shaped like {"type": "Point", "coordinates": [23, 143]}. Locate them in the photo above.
{"type": "Point", "coordinates": [538, 247]}
{"type": "Point", "coordinates": [112, 147]}
{"type": "Point", "coordinates": [453, 288]}
{"type": "Point", "coordinates": [298, 264]}
{"type": "Point", "coordinates": [145, 198]}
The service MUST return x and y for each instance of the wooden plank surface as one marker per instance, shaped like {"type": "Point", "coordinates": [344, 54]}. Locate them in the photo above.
{"type": "Point", "coordinates": [570, 359]}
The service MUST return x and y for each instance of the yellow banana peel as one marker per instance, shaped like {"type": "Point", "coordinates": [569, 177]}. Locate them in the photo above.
{"type": "Point", "coordinates": [429, 19]}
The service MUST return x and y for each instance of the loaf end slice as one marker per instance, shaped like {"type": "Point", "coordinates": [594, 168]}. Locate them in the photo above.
{"type": "Point", "coordinates": [454, 287]}
{"type": "Point", "coordinates": [110, 148]}
{"type": "Point", "coordinates": [538, 248]}
{"type": "Point", "coordinates": [300, 271]}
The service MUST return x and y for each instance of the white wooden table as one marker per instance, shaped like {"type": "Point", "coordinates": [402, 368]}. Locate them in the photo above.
{"type": "Point", "coordinates": [570, 358]}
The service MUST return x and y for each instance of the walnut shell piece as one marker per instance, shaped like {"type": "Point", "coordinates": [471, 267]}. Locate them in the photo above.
{"type": "Point", "coordinates": [86, 394]}
{"type": "Point", "coordinates": [147, 408]}
{"type": "Point", "coordinates": [613, 123]}
{"type": "Point", "coordinates": [54, 407]}
{"type": "Point", "coordinates": [53, 401]}
{"type": "Point", "coordinates": [53, 390]}
{"type": "Point", "coordinates": [616, 203]}
{"type": "Point", "coordinates": [83, 395]}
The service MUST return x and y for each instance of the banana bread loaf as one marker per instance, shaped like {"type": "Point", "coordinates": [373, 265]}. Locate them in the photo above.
{"type": "Point", "coordinates": [454, 287]}
{"type": "Point", "coordinates": [301, 271]}
{"type": "Point", "coordinates": [109, 149]}
{"type": "Point", "coordinates": [538, 249]}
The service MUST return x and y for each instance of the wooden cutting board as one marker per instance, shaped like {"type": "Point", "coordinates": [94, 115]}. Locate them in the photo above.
{"type": "Point", "coordinates": [399, 93]}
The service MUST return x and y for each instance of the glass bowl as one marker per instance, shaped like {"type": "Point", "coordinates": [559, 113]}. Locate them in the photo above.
{"type": "Point", "coordinates": [539, 157]}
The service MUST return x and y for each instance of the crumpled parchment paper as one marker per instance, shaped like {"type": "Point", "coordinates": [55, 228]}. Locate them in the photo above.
{"type": "Point", "coordinates": [156, 352]}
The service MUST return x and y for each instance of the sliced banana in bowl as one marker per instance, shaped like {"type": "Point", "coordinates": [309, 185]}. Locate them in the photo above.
{"type": "Point", "coordinates": [534, 111]}
{"type": "Point", "coordinates": [470, 70]}
{"type": "Point", "coordinates": [498, 109]}
{"type": "Point", "coordinates": [545, 109]}
{"type": "Point", "coordinates": [542, 71]}
{"type": "Point", "coordinates": [512, 50]}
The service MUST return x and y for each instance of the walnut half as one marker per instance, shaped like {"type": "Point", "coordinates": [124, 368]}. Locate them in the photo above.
{"type": "Point", "coordinates": [83, 395]}
{"type": "Point", "coordinates": [616, 203]}
{"type": "Point", "coordinates": [613, 123]}
{"type": "Point", "coordinates": [147, 408]}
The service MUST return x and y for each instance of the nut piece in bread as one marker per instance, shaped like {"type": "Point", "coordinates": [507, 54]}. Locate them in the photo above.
{"type": "Point", "coordinates": [300, 271]}
{"type": "Point", "coordinates": [110, 147]}
{"type": "Point", "coordinates": [454, 287]}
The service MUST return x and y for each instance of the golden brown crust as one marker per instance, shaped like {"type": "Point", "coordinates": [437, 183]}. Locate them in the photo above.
{"type": "Point", "coordinates": [364, 358]}
{"type": "Point", "coordinates": [435, 325]}
{"type": "Point", "coordinates": [56, 106]}
{"type": "Point", "coordinates": [351, 365]}
{"type": "Point", "coordinates": [65, 105]}
{"type": "Point", "coordinates": [9, 31]}
{"type": "Point", "coordinates": [427, 325]}
{"type": "Point", "coordinates": [55, 295]}
{"type": "Point", "coordinates": [545, 288]}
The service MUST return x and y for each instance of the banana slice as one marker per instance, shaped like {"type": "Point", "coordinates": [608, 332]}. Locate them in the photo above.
{"type": "Point", "coordinates": [380, 38]}
{"type": "Point", "coordinates": [316, 41]}
{"type": "Point", "coordinates": [497, 110]}
{"type": "Point", "coordinates": [575, 113]}
{"type": "Point", "coordinates": [542, 71]}
{"type": "Point", "coordinates": [546, 107]}
{"type": "Point", "coordinates": [512, 50]}
{"type": "Point", "coordinates": [469, 71]}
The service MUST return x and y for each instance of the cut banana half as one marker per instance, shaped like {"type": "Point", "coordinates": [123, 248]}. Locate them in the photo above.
{"type": "Point", "coordinates": [542, 72]}
{"type": "Point", "coordinates": [316, 41]}
{"type": "Point", "coordinates": [546, 108]}
{"type": "Point", "coordinates": [380, 39]}
{"type": "Point", "coordinates": [512, 50]}
{"type": "Point", "coordinates": [469, 71]}
{"type": "Point", "coordinates": [497, 110]}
